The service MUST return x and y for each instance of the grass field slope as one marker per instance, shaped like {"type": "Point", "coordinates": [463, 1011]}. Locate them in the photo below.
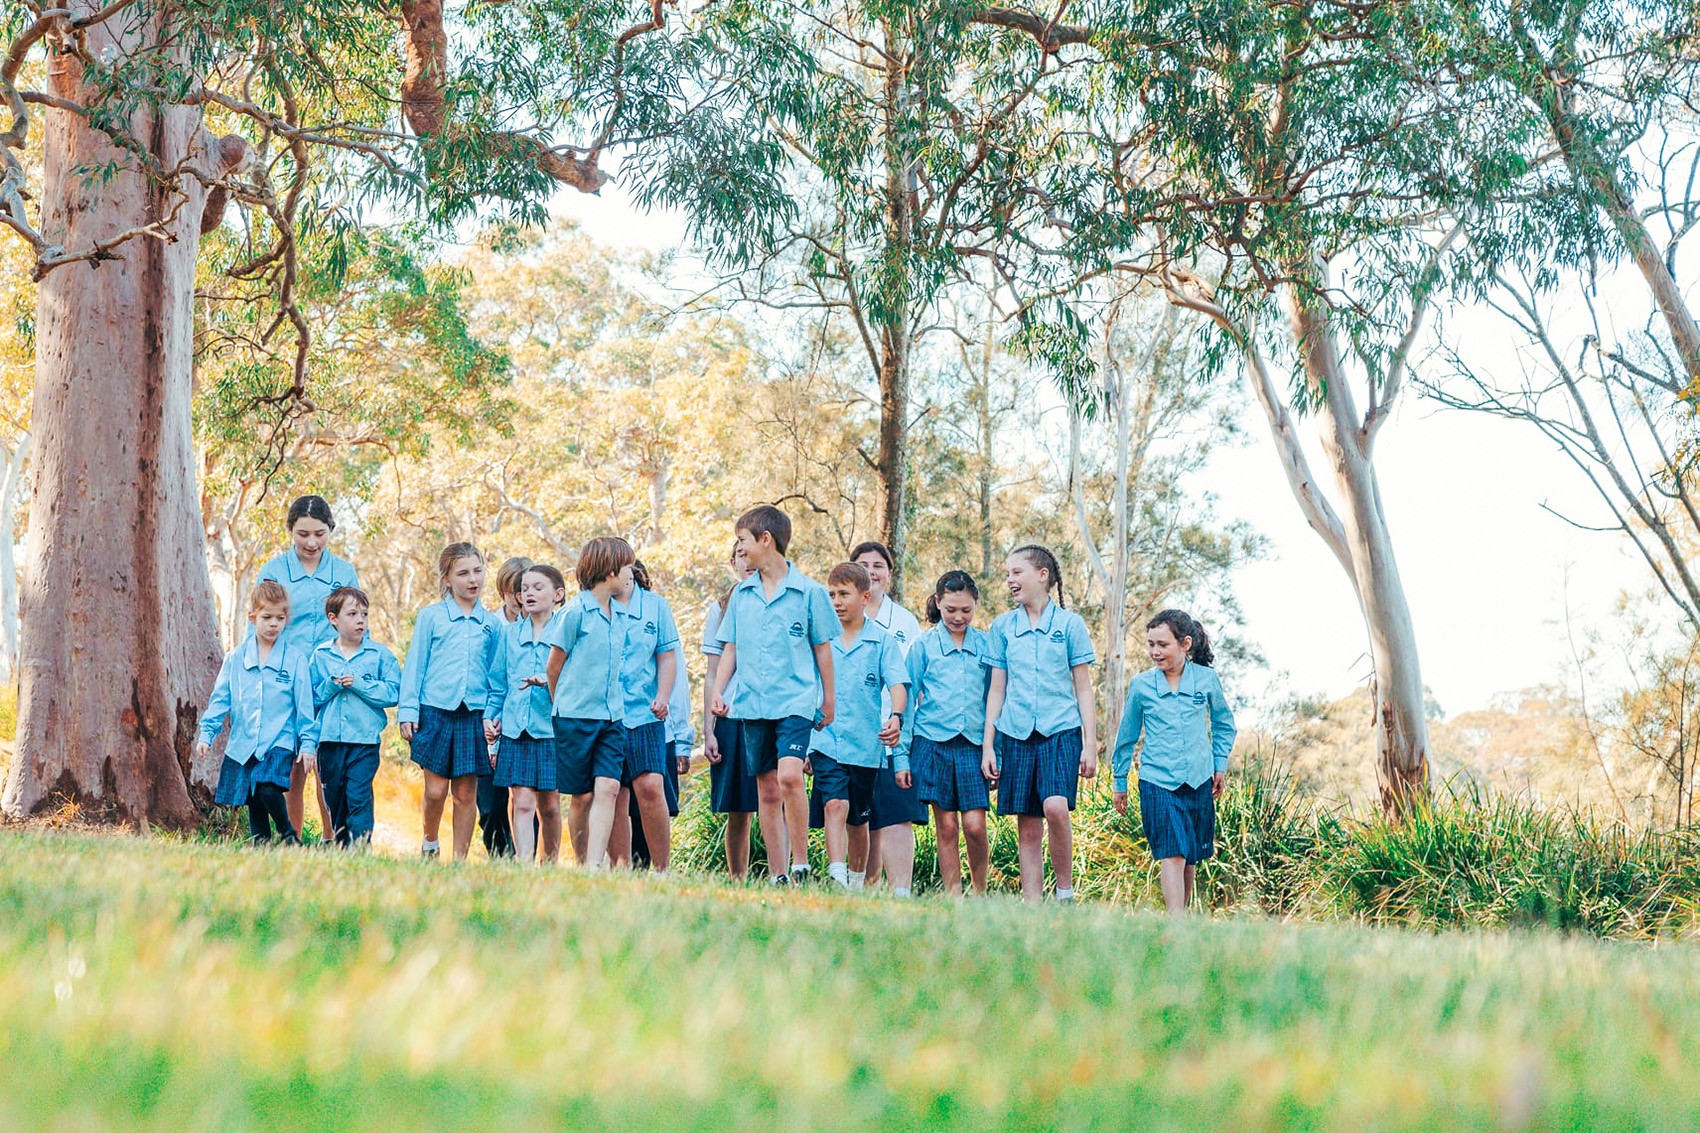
{"type": "Point", "coordinates": [156, 986]}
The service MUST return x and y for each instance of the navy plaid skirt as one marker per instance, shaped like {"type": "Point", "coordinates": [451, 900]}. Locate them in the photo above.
{"type": "Point", "coordinates": [523, 761]}
{"type": "Point", "coordinates": [450, 742]}
{"type": "Point", "coordinates": [1179, 823]}
{"type": "Point", "coordinates": [645, 748]}
{"type": "Point", "coordinates": [1035, 769]}
{"type": "Point", "coordinates": [947, 774]}
{"type": "Point", "coordinates": [236, 781]}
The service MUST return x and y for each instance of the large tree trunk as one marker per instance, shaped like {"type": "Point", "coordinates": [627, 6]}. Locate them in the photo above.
{"type": "Point", "coordinates": [892, 460]}
{"type": "Point", "coordinates": [119, 645]}
{"type": "Point", "coordinates": [11, 489]}
{"type": "Point", "coordinates": [1401, 723]}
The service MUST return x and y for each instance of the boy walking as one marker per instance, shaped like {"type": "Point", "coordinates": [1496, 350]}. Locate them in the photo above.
{"type": "Point", "coordinates": [776, 635]}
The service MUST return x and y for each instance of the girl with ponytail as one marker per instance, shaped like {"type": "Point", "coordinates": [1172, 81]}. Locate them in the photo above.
{"type": "Point", "coordinates": [1188, 725]}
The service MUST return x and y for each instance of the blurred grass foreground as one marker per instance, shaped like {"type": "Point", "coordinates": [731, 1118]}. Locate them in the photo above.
{"type": "Point", "coordinates": [156, 985]}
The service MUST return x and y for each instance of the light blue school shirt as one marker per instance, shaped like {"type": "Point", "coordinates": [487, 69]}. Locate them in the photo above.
{"type": "Point", "coordinates": [1189, 730]}
{"type": "Point", "coordinates": [523, 652]}
{"type": "Point", "coordinates": [308, 625]}
{"type": "Point", "coordinates": [1039, 660]}
{"type": "Point", "coordinates": [774, 640]}
{"type": "Point", "coordinates": [951, 685]}
{"type": "Point", "coordinates": [711, 647]}
{"type": "Point", "coordinates": [649, 632]}
{"type": "Point", "coordinates": [354, 715]}
{"type": "Point", "coordinates": [269, 705]}
{"type": "Point", "coordinates": [589, 686]}
{"type": "Point", "coordinates": [862, 672]}
{"type": "Point", "coordinates": [681, 709]}
{"type": "Point", "coordinates": [449, 659]}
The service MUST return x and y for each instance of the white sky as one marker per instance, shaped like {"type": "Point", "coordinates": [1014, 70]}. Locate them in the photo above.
{"type": "Point", "coordinates": [1486, 570]}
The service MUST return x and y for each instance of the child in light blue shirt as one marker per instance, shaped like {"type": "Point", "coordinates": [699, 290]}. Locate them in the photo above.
{"type": "Point", "coordinates": [527, 773]}
{"type": "Point", "coordinates": [1188, 725]}
{"type": "Point", "coordinates": [354, 680]}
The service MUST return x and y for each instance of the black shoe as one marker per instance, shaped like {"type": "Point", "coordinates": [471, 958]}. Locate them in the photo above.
{"type": "Point", "coordinates": [779, 879]}
{"type": "Point", "coordinates": [801, 875]}
{"type": "Point", "coordinates": [429, 852]}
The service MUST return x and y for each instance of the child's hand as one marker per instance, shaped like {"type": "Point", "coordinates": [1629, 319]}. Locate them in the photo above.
{"type": "Point", "coordinates": [492, 729]}
{"type": "Point", "coordinates": [989, 765]}
{"type": "Point", "coordinates": [1120, 801]}
{"type": "Point", "coordinates": [203, 750]}
{"type": "Point", "coordinates": [658, 708]}
{"type": "Point", "coordinates": [408, 728]}
{"type": "Point", "coordinates": [1218, 784]}
{"type": "Point", "coordinates": [309, 762]}
{"type": "Point", "coordinates": [720, 707]}
{"type": "Point", "coordinates": [892, 732]}
{"type": "Point", "coordinates": [346, 680]}
{"type": "Point", "coordinates": [684, 767]}
{"type": "Point", "coordinates": [825, 715]}
{"type": "Point", "coordinates": [1089, 765]}
{"type": "Point", "coordinates": [538, 681]}
{"type": "Point", "coordinates": [808, 765]}
{"type": "Point", "coordinates": [711, 747]}
{"type": "Point", "coordinates": [904, 779]}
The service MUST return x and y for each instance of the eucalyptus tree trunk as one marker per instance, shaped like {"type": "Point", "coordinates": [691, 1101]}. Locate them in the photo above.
{"type": "Point", "coordinates": [119, 643]}
{"type": "Point", "coordinates": [11, 490]}
{"type": "Point", "coordinates": [894, 319]}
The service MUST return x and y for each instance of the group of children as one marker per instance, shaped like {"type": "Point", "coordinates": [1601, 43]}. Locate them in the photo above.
{"type": "Point", "coordinates": [824, 706]}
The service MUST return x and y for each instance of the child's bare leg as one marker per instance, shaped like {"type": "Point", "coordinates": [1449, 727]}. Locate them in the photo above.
{"type": "Point", "coordinates": [738, 844]}
{"type": "Point", "coordinates": [1029, 850]}
{"type": "Point", "coordinates": [1191, 884]}
{"type": "Point", "coordinates": [578, 826]}
{"type": "Point", "coordinates": [771, 814]}
{"type": "Point", "coordinates": [794, 794]}
{"type": "Point", "coordinates": [657, 825]}
{"type": "Point", "coordinates": [897, 851]}
{"type": "Point", "coordinates": [464, 788]}
{"type": "Point", "coordinates": [296, 796]}
{"type": "Point", "coordinates": [522, 807]}
{"type": "Point", "coordinates": [549, 823]}
{"type": "Point", "coordinates": [949, 830]}
{"type": "Point", "coordinates": [858, 839]}
{"type": "Point", "coordinates": [837, 833]}
{"type": "Point", "coordinates": [431, 809]}
{"type": "Point", "coordinates": [979, 848]}
{"type": "Point", "coordinates": [1061, 831]}
{"type": "Point", "coordinates": [620, 836]}
{"type": "Point", "coordinates": [607, 793]}
{"type": "Point", "coordinates": [1171, 875]}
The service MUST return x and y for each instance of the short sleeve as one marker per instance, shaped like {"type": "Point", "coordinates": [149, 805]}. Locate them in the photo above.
{"type": "Point", "coordinates": [566, 632]}
{"type": "Point", "coordinates": [823, 621]}
{"type": "Point", "coordinates": [1080, 650]}
{"type": "Point", "coordinates": [711, 618]}
{"type": "Point", "coordinates": [728, 621]}
{"type": "Point", "coordinates": [896, 672]}
{"type": "Point", "coordinates": [995, 657]}
{"type": "Point", "coordinates": [667, 631]}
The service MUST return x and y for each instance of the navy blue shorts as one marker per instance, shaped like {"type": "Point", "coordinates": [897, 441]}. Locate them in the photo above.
{"type": "Point", "coordinates": [894, 805]}
{"type": "Point", "coordinates": [1035, 769]}
{"type": "Point", "coordinates": [766, 742]}
{"type": "Point", "coordinates": [947, 775]}
{"type": "Point", "coordinates": [347, 771]}
{"type": "Point", "coordinates": [450, 742]}
{"type": "Point", "coordinates": [1179, 823]}
{"type": "Point", "coordinates": [526, 761]}
{"type": "Point", "coordinates": [835, 781]}
{"type": "Point", "coordinates": [731, 785]}
{"type": "Point", "coordinates": [236, 781]}
{"type": "Point", "coordinates": [645, 752]}
{"type": "Point", "coordinates": [586, 750]}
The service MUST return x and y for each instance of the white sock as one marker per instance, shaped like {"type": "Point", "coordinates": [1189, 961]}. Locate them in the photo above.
{"type": "Point", "coordinates": [858, 880]}
{"type": "Point", "coordinates": [895, 892]}
{"type": "Point", "coordinates": [433, 844]}
{"type": "Point", "coordinates": [796, 869]}
{"type": "Point", "coordinates": [1065, 894]}
{"type": "Point", "coordinates": [839, 872]}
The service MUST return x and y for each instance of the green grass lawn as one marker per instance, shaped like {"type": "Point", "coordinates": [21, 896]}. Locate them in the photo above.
{"type": "Point", "coordinates": [150, 985]}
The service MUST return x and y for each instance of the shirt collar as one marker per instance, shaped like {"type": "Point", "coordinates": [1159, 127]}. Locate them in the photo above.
{"type": "Point", "coordinates": [872, 632]}
{"type": "Point", "coordinates": [331, 645]}
{"type": "Point", "coordinates": [1024, 624]}
{"type": "Point", "coordinates": [1185, 686]}
{"type": "Point", "coordinates": [970, 644]}
{"type": "Point", "coordinates": [453, 610]}
{"type": "Point", "coordinates": [251, 655]}
{"type": "Point", "coordinates": [792, 581]}
{"type": "Point", "coordinates": [297, 572]}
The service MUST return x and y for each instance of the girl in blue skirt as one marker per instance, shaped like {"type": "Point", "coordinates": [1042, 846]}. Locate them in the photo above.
{"type": "Point", "coordinates": [519, 708]}
{"type": "Point", "coordinates": [949, 678]}
{"type": "Point", "coordinates": [1041, 730]}
{"type": "Point", "coordinates": [264, 690]}
{"type": "Point", "coordinates": [1188, 726]}
{"type": "Point", "coordinates": [444, 685]}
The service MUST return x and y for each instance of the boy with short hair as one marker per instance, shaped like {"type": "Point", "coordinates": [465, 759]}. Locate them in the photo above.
{"type": "Point", "coordinates": [354, 680]}
{"type": "Point", "coordinates": [848, 755]}
{"type": "Point", "coordinates": [777, 634]}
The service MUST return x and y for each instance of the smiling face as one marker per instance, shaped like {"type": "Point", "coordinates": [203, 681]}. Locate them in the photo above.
{"type": "Point", "coordinates": [848, 602]}
{"type": "Point", "coordinates": [308, 536]}
{"type": "Point", "coordinates": [268, 622]}
{"type": "Point", "coordinates": [956, 610]}
{"type": "Point", "coordinates": [758, 550]}
{"type": "Point", "coordinates": [465, 579]}
{"type": "Point", "coordinates": [1029, 585]}
{"type": "Point", "coordinates": [351, 622]}
{"type": "Point", "coordinates": [538, 595]}
{"type": "Point", "coordinates": [1165, 652]}
{"type": "Point", "coordinates": [879, 575]}
{"type": "Point", "coordinates": [741, 563]}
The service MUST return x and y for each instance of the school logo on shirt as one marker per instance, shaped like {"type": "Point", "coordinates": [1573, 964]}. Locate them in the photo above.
{"type": "Point", "coordinates": [649, 627]}
{"type": "Point", "coordinates": [281, 677]}
{"type": "Point", "coordinates": [1199, 699]}
{"type": "Point", "coordinates": [901, 636]}
{"type": "Point", "coordinates": [871, 679]}
{"type": "Point", "coordinates": [796, 629]}
{"type": "Point", "coordinates": [1058, 636]}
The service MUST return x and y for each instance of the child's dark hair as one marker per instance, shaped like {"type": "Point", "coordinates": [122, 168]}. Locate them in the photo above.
{"type": "Point", "coordinates": [1042, 559]}
{"type": "Point", "coordinates": [850, 574]}
{"type": "Point", "coordinates": [1182, 625]}
{"type": "Point", "coordinates": [602, 557]}
{"type": "Point", "coordinates": [553, 576]}
{"type": "Point", "coordinates": [309, 507]}
{"type": "Point", "coordinates": [640, 575]}
{"type": "Point", "coordinates": [950, 582]}
{"type": "Point", "coordinates": [878, 548]}
{"type": "Point", "coordinates": [342, 596]}
{"type": "Point", "coordinates": [767, 520]}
